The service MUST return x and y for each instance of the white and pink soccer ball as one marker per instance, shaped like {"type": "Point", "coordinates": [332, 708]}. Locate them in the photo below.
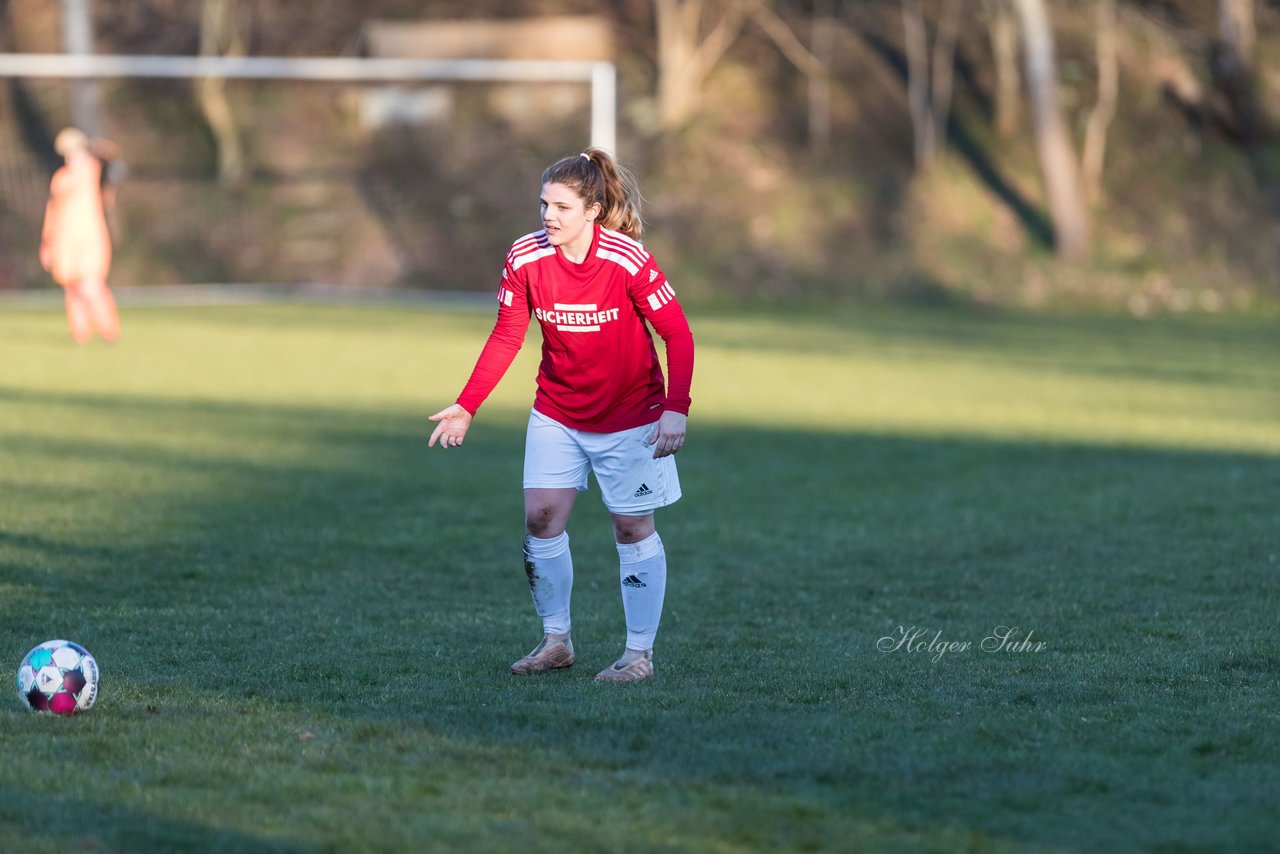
{"type": "Point", "coordinates": [60, 677]}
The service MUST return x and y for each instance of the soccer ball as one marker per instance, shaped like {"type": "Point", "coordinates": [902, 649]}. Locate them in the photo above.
{"type": "Point", "coordinates": [58, 676]}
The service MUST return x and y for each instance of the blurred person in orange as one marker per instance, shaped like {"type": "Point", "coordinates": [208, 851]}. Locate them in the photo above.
{"type": "Point", "coordinates": [75, 244]}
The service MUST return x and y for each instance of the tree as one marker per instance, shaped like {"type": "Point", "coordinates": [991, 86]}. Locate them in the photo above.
{"type": "Point", "coordinates": [686, 55]}
{"type": "Point", "coordinates": [1237, 29]}
{"type": "Point", "coordinates": [1095, 138]}
{"type": "Point", "coordinates": [218, 37]}
{"type": "Point", "coordinates": [821, 45]}
{"type": "Point", "coordinates": [794, 50]}
{"type": "Point", "coordinates": [929, 79]}
{"type": "Point", "coordinates": [1053, 143]}
{"type": "Point", "coordinates": [1004, 52]}
{"type": "Point", "coordinates": [1233, 71]}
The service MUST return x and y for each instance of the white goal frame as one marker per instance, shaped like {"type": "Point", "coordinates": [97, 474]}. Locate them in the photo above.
{"type": "Point", "coordinates": [600, 76]}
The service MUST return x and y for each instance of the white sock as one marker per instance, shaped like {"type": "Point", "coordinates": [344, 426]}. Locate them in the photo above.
{"type": "Point", "coordinates": [643, 573]}
{"type": "Point", "coordinates": [549, 566]}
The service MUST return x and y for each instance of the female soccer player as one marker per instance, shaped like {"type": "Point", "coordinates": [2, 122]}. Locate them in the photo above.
{"type": "Point", "coordinates": [75, 245]}
{"type": "Point", "coordinates": [600, 404]}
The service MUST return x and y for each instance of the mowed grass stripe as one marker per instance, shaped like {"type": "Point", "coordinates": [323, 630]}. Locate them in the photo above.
{"type": "Point", "coordinates": [304, 617]}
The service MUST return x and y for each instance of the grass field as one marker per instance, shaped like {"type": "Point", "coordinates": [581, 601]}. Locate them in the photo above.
{"type": "Point", "coordinates": [304, 617]}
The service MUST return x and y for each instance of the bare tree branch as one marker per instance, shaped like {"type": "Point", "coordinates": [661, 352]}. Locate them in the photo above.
{"type": "Point", "coordinates": [822, 38]}
{"type": "Point", "coordinates": [218, 37]}
{"type": "Point", "coordinates": [944, 57]}
{"type": "Point", "coordinates": [685, 58]}
{"type": "Point", "coordinates": [785, 39]}
{"type": "Point", "coordinates": [915, 41]}
{"type": "Point", "coordinates": [1004, 49]}
{"type": "Point", "coordinates": [1095, 138]}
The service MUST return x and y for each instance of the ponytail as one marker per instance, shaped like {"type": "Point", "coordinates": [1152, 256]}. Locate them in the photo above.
{"type": "Point", "coordinates": [599, 179]}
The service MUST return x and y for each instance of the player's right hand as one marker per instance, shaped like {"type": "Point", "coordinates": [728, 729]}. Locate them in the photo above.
{"type": "Point", "coordinates": [451, 427]}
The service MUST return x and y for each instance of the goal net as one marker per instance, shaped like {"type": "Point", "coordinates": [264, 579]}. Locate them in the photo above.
{"type": "Point", "coordinates": [383, 179]}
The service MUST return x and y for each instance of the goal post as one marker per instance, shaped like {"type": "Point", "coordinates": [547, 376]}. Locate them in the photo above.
{"type": "Point", "coordinates": [361, 172]}
{"type": "Point", "coordinates": [601, 77]}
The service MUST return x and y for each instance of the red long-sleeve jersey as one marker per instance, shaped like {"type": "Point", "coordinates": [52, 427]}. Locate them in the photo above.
{"type": "Point", "coordinates": [600, 370]}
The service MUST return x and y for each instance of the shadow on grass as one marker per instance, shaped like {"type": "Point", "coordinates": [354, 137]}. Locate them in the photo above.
{"type": "Point", "coordinates": [333, 568]}
{"type": "Point", "coordinates": [26, 814]}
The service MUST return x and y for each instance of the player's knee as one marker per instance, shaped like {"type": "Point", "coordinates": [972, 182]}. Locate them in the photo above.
{"type": "Point", "coordinates": [541, 522]}
{"type": "Point", "coordinates": [632, 529]}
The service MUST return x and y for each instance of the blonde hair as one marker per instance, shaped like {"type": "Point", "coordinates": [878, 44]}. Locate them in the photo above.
{"type": "Point", "coordinates": [599, 179]}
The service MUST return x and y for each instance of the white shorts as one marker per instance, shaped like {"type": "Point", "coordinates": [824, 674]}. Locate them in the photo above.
{"type": "Point", "coordinates": [632, 482]}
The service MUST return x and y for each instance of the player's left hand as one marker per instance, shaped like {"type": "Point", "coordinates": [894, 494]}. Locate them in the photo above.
{"type": "Point", "coordinates": [452, 423]}
{"type": "Point", "coordinates": [668, 434]}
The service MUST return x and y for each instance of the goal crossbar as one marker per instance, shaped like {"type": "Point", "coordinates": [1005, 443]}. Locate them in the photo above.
{"type": "Point", "coordinates": [600, 76]}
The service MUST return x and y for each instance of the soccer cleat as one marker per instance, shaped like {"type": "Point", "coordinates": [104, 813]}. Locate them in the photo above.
{"type": "Point", "coordinates": [628, 669]}
{"type": "Point", "coordinates": [555, 652]}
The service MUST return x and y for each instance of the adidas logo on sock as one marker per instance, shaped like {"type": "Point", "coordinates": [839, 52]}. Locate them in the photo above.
{"type": "Point", "coordinates": [642, 491]}
{"type": "Point", "coordinates": [632, 581]}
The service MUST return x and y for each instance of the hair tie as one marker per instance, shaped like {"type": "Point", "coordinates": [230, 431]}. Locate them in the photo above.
{"type": "Point", "coordinates": [584, 154]}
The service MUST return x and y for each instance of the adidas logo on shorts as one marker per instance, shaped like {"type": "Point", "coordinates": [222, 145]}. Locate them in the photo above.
{"type": "Point", "coordinates": [643, 491]}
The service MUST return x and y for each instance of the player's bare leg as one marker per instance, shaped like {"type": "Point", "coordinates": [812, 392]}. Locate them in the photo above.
{"type": "Point", "coordinates": [548, 564]}
{"type": "Point", "coordinates": [102, 309]}
{"type": "Point", "coordinates": [78, 317]}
